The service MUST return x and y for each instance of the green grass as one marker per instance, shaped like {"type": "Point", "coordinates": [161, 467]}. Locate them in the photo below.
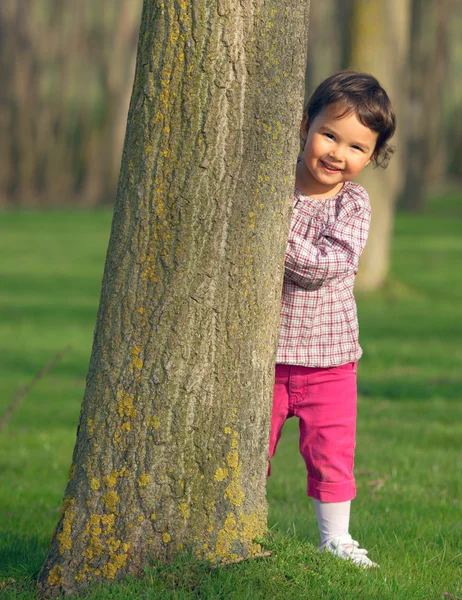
{"type": "Point", "coordinates": [408, 464]}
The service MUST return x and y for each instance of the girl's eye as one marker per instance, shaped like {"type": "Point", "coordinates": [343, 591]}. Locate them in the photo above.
{"type": "Point", "coordinates": [358, 148]}
{"type": "Point", "coordinates": [329, 135]}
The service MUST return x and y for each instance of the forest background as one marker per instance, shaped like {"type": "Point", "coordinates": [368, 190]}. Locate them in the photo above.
{"type": "Point", "coordinates": [67, 75]}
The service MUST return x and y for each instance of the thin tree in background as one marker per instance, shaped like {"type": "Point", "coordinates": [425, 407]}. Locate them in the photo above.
{"type": "Point", "coordinates": [452, 104]}
{"type": "Point", "coordinates": [329, 41]}
{"type": "Point", "coordinates": [379, 45]}
{"type": "Point", "coordinates": [428, 60]}
{"type": "Point", "coordinates": [371, 36]}
{"type": "Point", "coordinates": [172, 444]}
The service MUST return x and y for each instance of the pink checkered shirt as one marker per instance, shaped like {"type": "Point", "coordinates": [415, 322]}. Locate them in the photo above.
{"type": "Point", "coordinates": [319, 324]}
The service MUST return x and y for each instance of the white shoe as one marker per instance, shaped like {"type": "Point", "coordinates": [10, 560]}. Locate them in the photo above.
{"type": "Point", "coordinates": [345, 547]}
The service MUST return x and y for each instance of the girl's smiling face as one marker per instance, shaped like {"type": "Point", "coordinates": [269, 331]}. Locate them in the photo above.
{"type": "Point", "coordinates": [336, 150]}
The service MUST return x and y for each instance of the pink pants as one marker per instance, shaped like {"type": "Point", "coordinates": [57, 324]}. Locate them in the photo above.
{"type": "Point", "coordinates": [324, 400]}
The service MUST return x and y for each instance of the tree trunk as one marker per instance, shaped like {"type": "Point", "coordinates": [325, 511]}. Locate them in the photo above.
{"type": "Point", "coordinates": [172, 444]}
{"type": "Point", "coordinates": [418, 63]}
{"type": "Point", "coordinates": [428, 61]}
{"type": "Point", "coordinates": [380, 35]}
{"type": "Point", "coordinates": [452, 105]}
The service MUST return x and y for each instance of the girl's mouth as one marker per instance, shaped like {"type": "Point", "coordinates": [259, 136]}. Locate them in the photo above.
{"type": "Point", "coordinates": [330, 168]}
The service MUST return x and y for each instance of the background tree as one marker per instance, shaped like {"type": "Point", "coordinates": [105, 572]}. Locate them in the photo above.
{"type": "Point", "coordinates": [371, 36]}
{"type": "Point", "coordinates": [452, 101]}
{"type": "Point", "coordinates": [428, 62]}
{"type": "Point", "coordinates": [380, 39]}
{"type": "Point", "coordinates": [325, 51]}
{"type": "Point", "coordinates": [171, 448]}
{"type": "Point", "coordinates": [425, 88]}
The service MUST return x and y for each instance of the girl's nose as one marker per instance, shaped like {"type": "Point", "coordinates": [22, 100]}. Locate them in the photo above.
{"type": "Point", "coordinates": [337, 153]}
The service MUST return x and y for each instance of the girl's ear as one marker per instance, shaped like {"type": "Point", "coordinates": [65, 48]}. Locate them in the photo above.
{"type": "Point", "coordinates": [304, 127]}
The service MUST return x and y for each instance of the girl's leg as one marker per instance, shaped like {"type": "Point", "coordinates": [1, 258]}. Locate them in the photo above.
{"type": "Point", "coordinates": [325, 402]}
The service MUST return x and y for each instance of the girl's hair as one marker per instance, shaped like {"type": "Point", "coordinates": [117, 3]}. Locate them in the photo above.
{"type": "Point", "coordinates": [361, 94]}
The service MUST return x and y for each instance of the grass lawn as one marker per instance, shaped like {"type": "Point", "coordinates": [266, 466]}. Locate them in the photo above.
{"type": "Point", "coordinates": [409, 448]}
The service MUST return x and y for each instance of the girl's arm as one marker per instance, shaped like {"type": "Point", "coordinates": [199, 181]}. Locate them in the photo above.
{"type": "Point", "coordinates": [314, 263]}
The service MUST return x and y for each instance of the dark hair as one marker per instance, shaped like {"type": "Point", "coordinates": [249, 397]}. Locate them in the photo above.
{"type": "Point", "coordinates": [361, 94]}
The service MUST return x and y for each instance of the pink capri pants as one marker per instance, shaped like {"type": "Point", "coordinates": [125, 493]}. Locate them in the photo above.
{"type": "Point", "coordinates": [324, 400]}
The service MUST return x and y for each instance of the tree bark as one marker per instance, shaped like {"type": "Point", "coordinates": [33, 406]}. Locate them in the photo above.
{"type": "Point", "coordinates": [172, 443]}
{"type": "Point", "coordinates": [380, 37]}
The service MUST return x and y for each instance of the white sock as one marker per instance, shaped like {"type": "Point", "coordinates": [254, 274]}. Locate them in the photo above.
{"type": "Point", "coordinates": [333, 519]}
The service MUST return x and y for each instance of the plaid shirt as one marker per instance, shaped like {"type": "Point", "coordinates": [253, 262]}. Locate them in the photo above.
{"type": "Point", "coordinates": [319, 324]}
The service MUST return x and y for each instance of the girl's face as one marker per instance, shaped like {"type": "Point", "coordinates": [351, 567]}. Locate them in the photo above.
{"type": "Point", "coordinates": [336, 150]}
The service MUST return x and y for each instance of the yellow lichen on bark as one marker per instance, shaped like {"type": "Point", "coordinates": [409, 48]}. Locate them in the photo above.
{"type": "Point", "coordinates": [82, 575]}
{"type": "Point", "coordinates": [226, 537]}
{"type": "Point", "coordinates": [154, 422]}
{"type": "Point", "coordinates": [143, 480]}
{"type": "Point", "coordinates": [113, 544]}
{"type": "Point", "coordinates": [95, 546]}
{"type": "Point", "coordinates": [108, 521]}
{"type": "Point", "coordinates": [65, 536]}
{"type": "Point", "coordinates": [111, 568]}
{"type": "Point", "coordinates": [94, 484]}
{"type": "Point", "coordinates": [234, 439]}
{"type": "Point", "coordinates": [93, 525]}
{"type": "Point", "coordinates": [252, 526]}
{"type": "Point", "coordinates": [230, 524]}
{"type": "Point", "coordinates": [55, 576]}
{"type": "Point", "coordinates": [234, 490]}
{"type": "Point", "coordinates": [137, 363]}
{"type": "Point", "coordinates": [111, 501]}
{"type": "Point", "coordinates": [221, 473]}
{"type": "Point", "coordinates": [232, 459]}
{"type": "Point", "coordinates": [125, 405]}
{"type": "Point", "coordinates": [184, 509]}
{"type": "Point", "coordinates": [111, 480]}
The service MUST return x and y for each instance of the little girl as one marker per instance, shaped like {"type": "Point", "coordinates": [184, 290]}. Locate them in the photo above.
{"type": "Point", "coordinates": [346, 125]}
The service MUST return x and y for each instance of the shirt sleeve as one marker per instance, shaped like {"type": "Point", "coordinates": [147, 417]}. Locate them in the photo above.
{"type": "Point", "coordinates": [311, 264]}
